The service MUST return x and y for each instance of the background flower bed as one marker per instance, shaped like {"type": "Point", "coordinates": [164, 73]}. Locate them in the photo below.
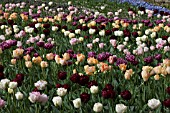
{"type": "Point", "coordinates": [141, 92]}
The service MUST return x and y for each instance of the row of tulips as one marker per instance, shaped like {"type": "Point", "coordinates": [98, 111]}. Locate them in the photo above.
{"type": "Point", "coordinates": [59, 56]}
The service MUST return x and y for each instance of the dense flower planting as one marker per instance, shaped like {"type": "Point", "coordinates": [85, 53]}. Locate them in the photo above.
{"type": "Point", "coordinates": [62, 57]}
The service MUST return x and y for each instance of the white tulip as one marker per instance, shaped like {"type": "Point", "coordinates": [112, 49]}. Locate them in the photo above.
{"type": "Point", "coordinates": [71, 35]}
{"type": "Point", "coordinates": [13, 85]}
{"type": "Point", "coordinates": [121, 108]}
{"type": "Point", "coordinates": [102, 33]}
{"type": "Point", "coordinates": [169, 40]}
{"type": "Point", "coordinates": [144, 38]}
{"type": "Point", "coordinates": [147, 32]}
{"type": "Point", "coordinates": [10, 90]}
{"type": "Point", "coordinates": [94, 89]}
{"type": "Point", "coordinates": [57, 101]}
{"type": "Point", "coordinates": [158, 40]}
{"type": "Point", "coordinates": [61, 91]}
{"type": "Point", "coordinates": [69, 2]}
{"type": "Point", "coordinates": [116, 13]}
{"type": "Point", "coordinates": [50, 3]}
{"type": "Point", "coordinates": [154, 103]}
{"type": "Point", "coordinates": [91, 31]}
{"type": "Point", "coordinates": [66, 33]}
{"type": "Point", "coordinates": [126, 39]}
{"type": "Point", "coordinates": [153, 35]}
{"type": "Point", "coordinates": [146, 49]}
{"type": "Point", "coordinates": [77, 103]}
{"type": "Point", "coordinates": [37, 25]}
{"type": "Point", "coordinates": [102, 7]}
{"type": "Point", "coordinates": [4, 83]}
{"type": "Point", "coordinates": [19, 96]}
{"type": "Point", "coordinates": [43, 5]}
{"type": "Point", "coordinates": [98, 107]}
{"type": "Point", "coordinates": [40, 85]}
{"type": "Point", "coordinates": [54, 28]}
{"type": "Point", "coordinates": [77, 31]}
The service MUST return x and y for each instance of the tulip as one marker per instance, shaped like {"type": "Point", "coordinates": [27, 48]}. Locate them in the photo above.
{"type": "Point", "coordinates": [57, 101]}
{"type": "Point", "coordinates": [98, 107]}
{"type": "Point", "coordinates": [77, 103]}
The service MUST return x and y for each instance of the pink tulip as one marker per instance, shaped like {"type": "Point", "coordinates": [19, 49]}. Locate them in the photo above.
{"type": "Point", "coordinates": [113, 42]}
{"type": "Point", "coordinates": [2, 103]}
{"type": "Point", "coordinates": [140, 51]}
{"type": "Point", "coordinates": [43, 98]}
{"type": "Point", "coordinates": [101, 45]}
{"type": "Point", "coordinates": [90, 46]}
{"type": "Point", "coordinates": [159, 46]}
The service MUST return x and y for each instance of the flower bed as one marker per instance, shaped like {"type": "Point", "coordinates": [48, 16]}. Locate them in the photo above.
{"type": "Point", "coordinates": [72, 57]}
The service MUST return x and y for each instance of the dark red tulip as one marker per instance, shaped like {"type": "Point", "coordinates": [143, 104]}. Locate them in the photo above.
{"type": "Point", "coordinates": [113, 37]}
{"type": "Point", "coordinates": [114, 29]}
{"type": "Point", "coordinates": [84, 28]}
{"type": "Point", "coordinates": [142, 9]}
{"type": "Point", "coordinates": [68, 63]}
{"type": "Point", "coordinates": [75, 78]}
{"type": "Point", "coordinates": [161, 13]}
{"type": "Point", "coordinates": [166, 13]}
{"type": "Point", "coordinates": [168, 90]}
{"type": "Point", "coordinates": [59, 26]}
{"type": "Point", "coordinates": [86, 37]}
{"type": "Point", "coordinates": [1, 68]}
{"type": "Point", "coordinates": [111, 93]}
{"type": "Point", "coordinates": [105, 94]}
{"type": "Point", "coordinates": [35, 30]}
{"type": "Point", "coordinates": [83, 80]}
{"type": "Point", "coordinates": [20, 76]}
{"type": "Point", "coordinates": [46, 31]}
{"type": "Point", "coordinates": [155, 11]}
{"type": "Point", "coordinates": [32, 24]}
{"type": "Point", "coordinates": [64, 27]}
{"type": "Point", "coordinates": [71, 31]}
{"type": "Point", "coordinates": [70, 51]}
{"type": "Point", "coordinates": [58, 85]}
{"type": "Point", "coordinates": [126, 33]}
{"type": "Point", "coordinates": [130, 9]}
{"type": "Point", "coordinates": [148, 59]}
{"type": "Point", "coordinates": [94, 27]}
{"type": "Point", "coordinates": [164, 37]}
{"type": "Point", "coordinates": [126, 95]}
{"type": "Point", "coordinates": [1, 75]}
{"type": "Point", "coordinates": [79, 27]}
{"type": "Point", "coordinates": [108, 32]}
{"type": "Point", "coordinates": [62, 75]}
{"type": "Point", "coordinates": [102, 27]}
{"type": "Point", "coordinates": [85, 97]}
{"type": "Point", "coordinates": [166, 103]}
{"type": "Point", "coordinates": [40, 44]}
{"type": "Point", "coordinates": [66, 86]}
{"type": "Point", "coordinates": [19, 81]}
{"type": "Point", "coordinates": [10, 22]}
{"type": "Point", "coordinates": [48, 46]}
{"type": "Point", "coordinates": [92, 83]}
{"type": "Point", "coordinates": [109, 87]}
{"type": "Point", "coordinates": [135, 34]}
{"type": "Point", "coordinates": [46, 26]}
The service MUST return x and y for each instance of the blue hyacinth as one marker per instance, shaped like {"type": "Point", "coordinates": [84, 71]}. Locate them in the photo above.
{"type": "Point", "coordinates": [141, 3]}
